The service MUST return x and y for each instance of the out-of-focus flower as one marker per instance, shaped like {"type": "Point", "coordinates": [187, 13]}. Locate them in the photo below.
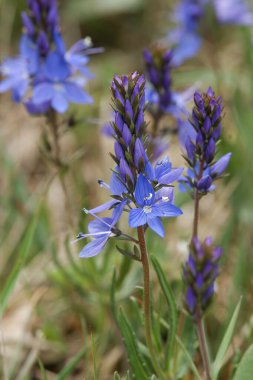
{"type": "Point", "coordinates": [45, 75]}
{"type": "Point", "coordinates": [199, 274]}
{"type": "Point", "coordinates": [190, 17]}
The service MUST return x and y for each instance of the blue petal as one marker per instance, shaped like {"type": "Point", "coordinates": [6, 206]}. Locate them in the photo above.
{"type": "Point", "coordinates": [137, 217]}
{"type": "Point", "coordinates": [172, 176]}
{"type": "Point", "coordinates": [76, 94]}
{"type": "Point", "coordinates": [103, 207]}
{"type": "Point", "coordinates": [156, 225]}
{"type": "Point", "coordinates": [59, 102]}
{"type": "Point", "coordinates": [116, 186]}
{"type": "Point", "coordinates": [118, 211]}
{"type": "Point", "coordinates": [187, 47]}
{"type": "Point", "coordinates": [42, 93]}
{"type": "Point", "coordinates": [94, 247]}
{"type": "Point", "coordinates": [144, 192]}
{"type": "Point", "coordinates": [56, 68]}
{"type": "Point", "coordinates": [165, 209]}
{"type": "Point", "coordinates": [99, 226]}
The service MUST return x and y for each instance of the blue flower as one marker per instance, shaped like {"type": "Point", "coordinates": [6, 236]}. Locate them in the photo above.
{"type": "Point", "coordinates": [151, 207]}
{"type": "Point", "coordinates": [58, 88]}
{"type": "Point", "coordinates": [233, 12]}
{"type": "Point", "coordinates": [53, 76]}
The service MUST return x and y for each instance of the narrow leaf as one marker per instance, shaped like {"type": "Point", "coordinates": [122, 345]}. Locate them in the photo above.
{"type": "Point", "coordinates": [245, 368]}
{"type": "Point", "coordinates": [21, 259]}
{"type": "Point", "coordinates": [189, 358]}
{"type": "Point", "coordinates": [69, 368]}
{"type": "Point", "coordinates": [171, 304]}
{"type": "Point", "coordinates": [131, 344]}
{"type": "Point", "coordinates": [217, 364]}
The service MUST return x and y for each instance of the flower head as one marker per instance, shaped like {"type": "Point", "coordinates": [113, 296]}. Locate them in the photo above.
{"type": "Point", "coordinates": [201, 148]}
{"type": "Point", "coordinates": [52, 75]}
{"type": "Point", "coordinates": [136, 187]}
{"type": "Point", "coordinates": [199, 274]}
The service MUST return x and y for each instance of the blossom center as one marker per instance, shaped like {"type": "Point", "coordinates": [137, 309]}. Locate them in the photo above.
{"type": "Point", "coordinates": [147, 209]}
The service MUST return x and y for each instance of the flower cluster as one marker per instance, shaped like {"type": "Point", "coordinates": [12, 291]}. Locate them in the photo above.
{"type": "Point", "coordinates": [136, 187]}
{"type": "Point", "coordinates": [202, 148]}
{"type": "Point", "coordinates": [191, 16]}
{"type": "Point", "coordinates": [199, 274]}
{"type": "Point", "coordinates": [161, 99]}
{"type": "Point", "coordinates": [45, 75]}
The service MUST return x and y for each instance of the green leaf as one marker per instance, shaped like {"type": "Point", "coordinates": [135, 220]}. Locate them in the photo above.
{"type": "Point", "coordinates": [131, 344]}
{"type": "Point", "coordinates": [42, 370]}
{"type": "Point", "coordinates": [116, 376]}
{"type": "Point", "coordinates": [245, 368]}
{"type": "Point", "coordinates": [173, 315]}
{"type": "Point", "coordinates": [22, 255]}
{"type": "Point", "coordinates": [69, 368]}
{"type": "Point", "coordinates": [217, 364]}
{"type": "Point", "coordinates": [189, 358]}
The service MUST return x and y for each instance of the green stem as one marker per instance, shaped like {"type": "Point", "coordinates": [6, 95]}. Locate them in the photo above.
{"type": "Point", "coordinates": [146, 301]}
{"type": "Point", "coordinates": [54, 127]}
{"type": "Point", "coordinates": [203, 348]}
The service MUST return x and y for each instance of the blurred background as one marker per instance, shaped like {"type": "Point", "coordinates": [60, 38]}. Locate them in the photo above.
{"type": "Point", "coordinates": [56, 319]}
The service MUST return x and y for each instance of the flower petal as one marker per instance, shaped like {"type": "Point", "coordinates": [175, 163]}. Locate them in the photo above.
{"type": "Point", "coordinates": [165, 209]}
{"type": "Point", "coordinates": [156, 225]}
{"type": "Point", "coordinates": [144, 192]}
{"type": "Point", "coordinates": [59, 102]}
{"type": "Point", "coordinates": [137, 217]}
{"type": "Point", "coordinates": [76, 94]}
{"type": "Point", "coordinates": [93, 248]}
{"type": "Point", "coordinates": [43, 92]}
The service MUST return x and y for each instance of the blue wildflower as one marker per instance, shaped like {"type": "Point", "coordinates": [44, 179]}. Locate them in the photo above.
{"type": "Point", "coordinates": [201, 147]}
{"type": "Point", "coordinates": [199, 274]}
{"type": "Point", "coordinates": [52, 75]}
{"type": "Point", "coordinates": [135, 187]}
{"type": "Point", "coordinates": [150, 207]}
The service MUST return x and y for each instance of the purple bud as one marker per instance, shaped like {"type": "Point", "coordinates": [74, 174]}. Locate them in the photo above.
{"type": "Point", "coordinates": [119, 121]}
{"type": "Point", "coordinates": [36, 11]}
{"type": "Point", "coordinates": [207, 125]}
{"type": "Point", "coordinates": [148, 57]}
{"type": "Point", "coordinates": [210, 151]}
{"type": "Point", "coordinates": [28, 24]}
{"type": "Point", "coordinates": [204, 183]}
{"type": "Point", "coordinates": [126, 134]}
{"type": "Point", "coordinates": [139, 120]}
{"type": "Point", "coordinates": [216, 133]}
{"type": "Point", "coordinates": [198, 98]}
{"type": "Point", "coordinates": [52, 17]}
{"type": "Point", "coordinates": [200, 141]}
{"type": "Point", "coordinates": [42, 42]}
{"type": "Point", "coordinates": [190, 299]}
{"type": "Point", "coordinates": [217, 252]}
{"type": "Point", "coordinates": [199, 281]}
{"type": "Point", "coordinates": [220, 166]}
{"type": "Point", "coordinates": [210, 92]}
{"type": "Point", "coordinates": [153, 76]}
{"type": "Point", "coordinates": [125, 170]}
{"type": "Point", "coordinates": [190, 148]}
{"type": "Point", "coordinates": [139, 152]}
{"type": "Point", "coordinates": [129, 109]}
{"type": "Point", "coordinates": [119, 153]}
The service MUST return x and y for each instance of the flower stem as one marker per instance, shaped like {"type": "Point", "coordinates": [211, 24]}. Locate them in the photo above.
{"type": "Point", "coordinates": [146, 301]}
{"type": "Point", "coordinates": [54, 127]}
{"type": "Point", "coordinates": [203, 348]}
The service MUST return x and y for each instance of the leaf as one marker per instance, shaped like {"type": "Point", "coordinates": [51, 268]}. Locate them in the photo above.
{"type": "Point", "coordinates": [68, 369]}
{"type": "Point", "coordinates": [245, 367]}
{"type": "Point", "coordinates": [42, 370]}
{"type": "Point", "coordinates": [171, 304]}
{"type": "Point", "coordinates": [18, 266]}
{"type": "Point", "coordinates": [116, 376]}
{"type": "Point", "coordinates": [131, 344]}
{"type": "Point", "coordinates": [217, 364]}
{"type": "Point", "coordinates": [189, 358]}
